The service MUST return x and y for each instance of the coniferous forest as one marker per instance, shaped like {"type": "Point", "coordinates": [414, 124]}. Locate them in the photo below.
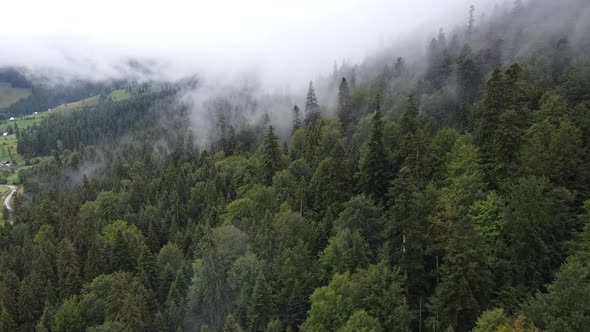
{"type": "Point", "coordinates": [444, 192]}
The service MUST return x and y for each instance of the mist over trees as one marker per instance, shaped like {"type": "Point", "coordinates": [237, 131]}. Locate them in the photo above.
{"type": "Point", "coordinates": [449, 192]}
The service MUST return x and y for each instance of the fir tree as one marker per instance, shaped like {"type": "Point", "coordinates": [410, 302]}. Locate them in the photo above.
{"type": "Point", "coordinates": [260, 308]}
{"type": "Point", "coordinates": [7, 322]}
{"type": "Point", "coordinates": [470, 22]}
{"type": "Point", "coordinates": [296, 118]}
{"type": "Point", "coordinates": [344, 107]}
{"type": "Point", "coordinates": [468, 84]}
{"type": "Point", "coordinates": [271, 156]}
{"type": "Point", "coordinates": [374, 178]}
{"type": "Point", "coordinates": [68, 270]}
{"type": "Point", "coordinates": [312, 108]}
{"type": "Point", "coordinates": [231, 324]}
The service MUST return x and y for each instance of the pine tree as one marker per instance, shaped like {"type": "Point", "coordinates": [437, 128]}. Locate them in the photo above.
{"type": "Point", "coordinates": [344, 106]}
{"type": "Point", "coordinates": [231, 324]}
{"type": "Point", "coordinates": [7, 322]}
{"type": "Point", "coordinates": [353, 78]}
{"type": "Point", "coordinates": [312, 108]}
{"type": "Point", "coordinates": [465, 280]}
{"type": "Point", "coordinates": [296, 118]}
{"type": "Point", "coordinates": [471, 22]}
{"type": "Point", "coordinates": [408, 128]}
{"type": "Point", "coordinates": [121, 256]}
{"type": "Point", "coordinates": [468, 84]}
{"type": "Point", "coordinates": [374, 177]}
{"type": "Point", "coordinates": [68, 270]}
{"type": "Point", "coordinates": [271, 156]}
{"type": "Point", "coordinates": [399, 68]}
{"type": "Point", "coordinates": [260, 308]}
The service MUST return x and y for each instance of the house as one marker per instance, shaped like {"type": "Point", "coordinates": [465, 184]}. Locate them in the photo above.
{"type": "Point", "coordinates": [5, 134]}
{"type": "Point", "coordinates": [5, 163]}
{"type": "Point", "coordinates": [35, 113]}
{"type": "Point", "coordinates": [11, 119]}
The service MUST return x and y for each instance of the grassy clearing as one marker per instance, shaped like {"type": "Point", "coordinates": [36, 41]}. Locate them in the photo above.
{"type": "Point", "coordinates": [22, 122]}
{"type": "Point", "coordinates": [118, 95]}
{"type": "Point", "coordinates": [10, 95]}
{"type": "Point", "coordinates": [8, 149]}
{"type": "Point", "coordinates": [88, 102]}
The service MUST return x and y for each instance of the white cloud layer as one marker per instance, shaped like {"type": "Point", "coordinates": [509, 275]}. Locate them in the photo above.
{"type": "Point", "coordinates": [280, 40]}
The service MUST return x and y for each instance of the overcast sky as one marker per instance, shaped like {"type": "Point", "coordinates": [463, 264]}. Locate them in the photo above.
{"type": "Point", "coordinates": [277, 38]}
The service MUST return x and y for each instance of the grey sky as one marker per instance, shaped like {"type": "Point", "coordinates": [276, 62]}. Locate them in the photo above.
{"type": "Point", "coordinates": [275, 38]}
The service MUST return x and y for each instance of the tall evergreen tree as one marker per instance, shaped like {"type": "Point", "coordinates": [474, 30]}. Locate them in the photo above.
{"type": "Point", "coordinates": [261, 304]}
{"type": "Point", "coordinates": [7, 322]}
{"type": "Point", "coordinates": [470, 22]}
{"type": "Point", "coordinates": [297, 123]}
{"type": "Point", "coordinates": [271, 156]}
{"type": "Point", "coordinates": [68, 270]}
{"type": "Point", "coordinates": [231, 324]}
{"type": "Point", "coordinates": [468, 85]}
{"type": "Point", "coordinates": [374, 167]}
{"type": "Point", "coordinates": [312, 108]}
{"type": "Point", "coordinates": [344, 106]}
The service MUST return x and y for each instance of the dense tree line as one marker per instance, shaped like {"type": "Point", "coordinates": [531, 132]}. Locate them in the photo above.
{"type": "Point", "coordinates": [106, 121]}
{"type": "Point", "coordinates": [403, 211]}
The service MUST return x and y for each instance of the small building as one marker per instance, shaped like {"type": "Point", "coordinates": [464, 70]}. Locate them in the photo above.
{"type": "Point", "coordinates": [5, 163]}
{"type": "Point", "coordinates": [35, 113]}
{"type": "Point", "coordinates": [11, 119]}
{"type": "Point", "coordinates": [5, 134]}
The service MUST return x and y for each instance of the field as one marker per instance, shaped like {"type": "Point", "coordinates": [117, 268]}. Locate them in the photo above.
{"type": "Point", "coordinates": [10, 95]}
{"type": "Point", "coordinates": [118, 95]}
{"type": "Point", "coordinates": [8, 149]}
{"type": "Point", "coordinates": [90, 101]}
{"type": "Point", "coordinates": [23, 122]}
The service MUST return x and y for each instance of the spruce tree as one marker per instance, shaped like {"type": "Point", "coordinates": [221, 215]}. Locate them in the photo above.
{"type": "Point", "coordinates": [471, 22]}
{"type": "Point", "coordinates": [231, 324]}
{"type": "Point", "coordinates": [271, 156]}
{"type": "Point", "coordinates": [374, 177]}
{"type": "Point", "coordinates": [344, 107]}
{"type": "Point", "coordinates": [353, 78]}
{"type": "Point", "coordinates": [68, 270]}
{"type": "Point", "coordinates": [312, 108]}
{"type": "Point", "coordinates": [296, 118]}
{"type": "Point", "coordinates": [468, 84]}
{"type": "Point", "coordinates": [260, 308]}
{"type": "Point", "coordinates": [7, 322]}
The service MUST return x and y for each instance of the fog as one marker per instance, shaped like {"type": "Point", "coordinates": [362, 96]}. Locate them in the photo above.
{"type": "Point", "coordinates": [284, 44]}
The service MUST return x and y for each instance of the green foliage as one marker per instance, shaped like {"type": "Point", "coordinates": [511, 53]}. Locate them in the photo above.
{"type": "Point", "coordinates": [491, 320]}
{"type": "Point", "coordinates": [432, 191]}
{"type": "Point", "coordinates": [346, 251]}
{"type": "Point", "coordinates": [231, 324]}
{"type": "Point", "coordinates": [361, 321]}
{"type": "Point", "coordinates": [271, 156]}
{"type": "Point", "coordinates": [563, 307]}
{"type": "Point", "coordinates": [376, 290]}
{"type": "Point", "coordinates": [260, 308]}
{"type": "Point", "coordinates": [374, 163]}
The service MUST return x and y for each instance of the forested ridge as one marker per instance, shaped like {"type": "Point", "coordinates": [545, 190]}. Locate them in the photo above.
{"type": "Point", "coordinates": [449, 194]}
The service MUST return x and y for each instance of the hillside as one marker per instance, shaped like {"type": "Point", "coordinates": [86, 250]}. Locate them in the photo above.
{"type": "Point", "coordinates": [10, 95]}
{"type": "Point", "coordinates": [443, 192]}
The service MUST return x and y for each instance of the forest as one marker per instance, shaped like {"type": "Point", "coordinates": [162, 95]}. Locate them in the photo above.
{"type": "Point", "coordinates": [449, 192]}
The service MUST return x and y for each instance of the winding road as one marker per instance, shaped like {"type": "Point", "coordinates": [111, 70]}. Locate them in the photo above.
{"type": "Point", "coordinates": [9, 197]}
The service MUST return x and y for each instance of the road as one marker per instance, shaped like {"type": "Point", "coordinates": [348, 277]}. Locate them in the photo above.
{"type": "Point", "coordinates": [9, 197]}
